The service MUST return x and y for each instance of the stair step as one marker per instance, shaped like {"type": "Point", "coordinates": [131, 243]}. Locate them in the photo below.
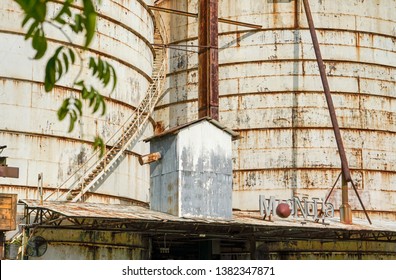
{"type": "Point", "coordinates": [99, 167]}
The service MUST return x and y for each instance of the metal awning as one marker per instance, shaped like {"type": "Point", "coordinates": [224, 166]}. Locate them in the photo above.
{"type": "Point", "coordinates": [51, 214]}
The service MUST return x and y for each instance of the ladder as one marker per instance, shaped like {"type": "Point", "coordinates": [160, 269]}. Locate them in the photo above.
{"type": "Point", "coordinates": [129, 132]}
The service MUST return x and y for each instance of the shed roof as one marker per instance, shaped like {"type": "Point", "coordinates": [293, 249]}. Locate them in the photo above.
{"type": "Point", "coordinates": [176, 129]}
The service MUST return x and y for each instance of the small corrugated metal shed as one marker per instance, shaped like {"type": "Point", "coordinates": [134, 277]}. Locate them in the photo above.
{"type": "Point", "coordinates": [193, 177]}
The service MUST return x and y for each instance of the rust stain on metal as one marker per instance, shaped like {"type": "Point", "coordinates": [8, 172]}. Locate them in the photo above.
{"type": "Point", "coordinates": [275, 13]}
{"type": "Point", "coordinates": [326, 87]}
{"type": "Point", "coordinates": [146, 159]}
{"type": "Point", "coordinates": [357, 39]}
{"type": "Point", "coordinates": [137, 213]}
{"type": "Point", "coordinates": [208, 70]}
{"type": "Point", "coordinates": [296, 14]}
{"type": "Point", "coordinates": [9, 172]}
{"type": "Point", "coordinates": [256, 99]}
{"type": "Point", "coordinates": [159, 127]}
{"type": "Point", "coordinates": [8, 211]}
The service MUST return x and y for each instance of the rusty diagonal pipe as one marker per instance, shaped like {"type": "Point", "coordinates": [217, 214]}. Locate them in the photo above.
{"type": "Point", "coordinates": [344, 162]}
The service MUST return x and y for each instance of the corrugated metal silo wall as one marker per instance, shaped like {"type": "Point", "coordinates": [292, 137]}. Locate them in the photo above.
{"type": "Point", "coordinates": [271, 93]}
{"type": "Point", "coordinates": [37, 141]}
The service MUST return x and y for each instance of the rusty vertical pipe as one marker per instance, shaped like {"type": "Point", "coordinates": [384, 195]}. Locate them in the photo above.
{"type": "Point", "coordinates": [296, 14]}
{"type": "Point", "coordinates": [345, 208]}
{"type": "Point", "coordinates": [208, 62]}
{"type": "Point", "coordinates": [344, 162]}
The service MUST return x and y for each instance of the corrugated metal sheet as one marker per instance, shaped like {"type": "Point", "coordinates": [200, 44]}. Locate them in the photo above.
{"type": "Point", "coordinates": [138, 213]}
{"type": "Point", "coordinates": [194, 176]}
{"type": "Point", "coordinates": [271, 94]}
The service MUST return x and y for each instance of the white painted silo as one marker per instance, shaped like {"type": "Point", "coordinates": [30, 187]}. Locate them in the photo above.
{"type": "Point", "coordinates": [271, 94]}
{"type": "Point", "coordinates": [37, 142]}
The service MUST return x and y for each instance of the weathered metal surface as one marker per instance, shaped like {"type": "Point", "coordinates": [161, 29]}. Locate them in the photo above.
{"type": "Point", "coordinates": [182, 13]}
{"type": "Point", "coordinates": [101, 227]}
{"type": "Point", "coordinates": [9, 172]}
{"type": "Point", "coordinates": [336, 250]}
{"type": "Point", "coordinates": [8, 211]}
{"type": "Point", "coordinates": [323, 76]}
{"type": "Point", "coordinates": [146, 159]}
{"type": "Point", "coordinates": [208, 57]}
{"type": "Point", "coordinates": [345, 210]}
{"type": "Point", "coordinates": [194, 176]}
{"type": "Point", "coordinates": [271, 93]}
{"type": "Point", "coordinates": [38, 142]}
{"type": "Point", "coordinates": [92, 245]}
{"type": "Point", "coordinates": [128, 213]}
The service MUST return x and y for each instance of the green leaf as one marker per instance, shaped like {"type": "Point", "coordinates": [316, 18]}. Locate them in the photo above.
{"type": "Point", "coordinates": [26, 19]}
{"type": "Point", "coordinates": [64, 11]}
{"type": "Point", "coordinates": [59, 69]}
{"type": "Point", "coordinates": [97, 103]}
{"type": "Point", "coordinates": [24, 4]}
{"type": "Point", "coordinates": [78, 105]}
{"type": "Point", "coordinates": [58, 50]}
{"type": "Point", "coordinates": [84, 93]}
{"type": "Point", "coordinates": [62, 113]}
{"type": "Point", "coordinates": [49, 80]}
{"type": "Point", "coordinates": [92, 65]}
{"type": "Point", "coordinates": [72, 122]}
{"type": "Point", "coordinates": [58, 62]}
{"type": "Point", "coordinates": [39, 43]}
{"type": "Point", "coordinates": [100, 67]}
{"type": "Point", "coordinates": [103, 107]}
{"type": "Point", "coordinates": [114, 78]}
{"type": "Point", "coordinates": [77, 27]}
{"type": "Point", "coordinates": [106, 77]}
{"type": "Point", "coordinates": [60, 20]}
{"type": "Point", "coordinates": [33, 27]}
{"type": "Point", "coordinates": [39, 11]}
{"type": "Point", "coordinates": [92, 96]}
{"type": "Point", "coordinates": [73, 118]}
{"type": "Point", "coordinates": [63, 110]}
{"type": "Point", "coordinates": [80, 83]}
{"type": "Point", "coordinates": [66, 61]}
{"type": "Point", "coordinates": [90, 25]}
{"type": "Point", "coordinates": [90, 21]}
{"type": "Point", "coordinates": [99, 144]}
{"type": "Point", "coordinates": [72, 56]}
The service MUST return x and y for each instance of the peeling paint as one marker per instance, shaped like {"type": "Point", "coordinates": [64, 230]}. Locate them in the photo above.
{"type": "Point", "coordinates": [271, 93]}
{"type": "Point", "coordinates": [37, 141]}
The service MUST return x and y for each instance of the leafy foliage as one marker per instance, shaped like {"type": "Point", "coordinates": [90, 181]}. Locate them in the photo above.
{"type": "Point", "coordinates": [77, 21]}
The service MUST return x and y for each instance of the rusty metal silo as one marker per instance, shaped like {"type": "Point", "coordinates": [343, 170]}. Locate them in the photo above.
{"type": "Point", "coordinates": [271, 94]}
{"type": "Point", "coordinates": [37, 142]}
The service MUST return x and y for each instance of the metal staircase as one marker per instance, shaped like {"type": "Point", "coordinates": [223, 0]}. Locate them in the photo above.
{"type": "Point", "coordinates": [94, 170]}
